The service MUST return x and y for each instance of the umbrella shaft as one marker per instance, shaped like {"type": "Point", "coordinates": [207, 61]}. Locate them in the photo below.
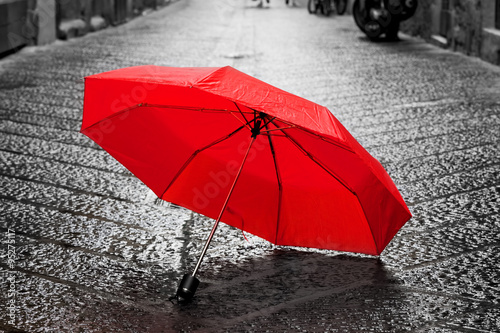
{"type": "Point", "coordinates": [209, 239]}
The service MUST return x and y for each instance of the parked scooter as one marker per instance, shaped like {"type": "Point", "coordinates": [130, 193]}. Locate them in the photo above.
{"type": "Point", "coordinates": [382, 17]}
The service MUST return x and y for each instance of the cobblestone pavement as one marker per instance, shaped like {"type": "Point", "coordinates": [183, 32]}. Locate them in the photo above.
{"type": "Point", "coordinates": [95, 252]}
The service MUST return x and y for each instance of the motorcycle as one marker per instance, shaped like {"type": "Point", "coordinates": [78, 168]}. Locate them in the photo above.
{"type": "Point", "coordinates": [327, 6]}
{"type": "Point", "coordinates": [382, 17]}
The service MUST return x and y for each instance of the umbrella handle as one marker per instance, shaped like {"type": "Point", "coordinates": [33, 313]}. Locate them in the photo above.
{"type": "Point", "coordinates": [189, 283]}
{"type": "Point", "coordinates": [209, 239]}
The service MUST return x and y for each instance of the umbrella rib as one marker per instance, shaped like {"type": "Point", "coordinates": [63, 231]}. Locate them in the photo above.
{"type": "Point", "coordinates": [188, 161]}
{"type": "Point", "coordinates": [178, 107]}
{"type": "Point", "coordinates": [338, 144]}
{"type": "Point", "coordinates": [241, 112]}
{"type": "Point", "coordinates": [189, 108]}
{"type": "Point", "coordinates": [277, 129]}
{"type": "Point", "coordinates": [280, 185]}
{"type": "Point", "coordinates": [212, 232]}
{"type": "Point", "coordinates": [315, 160]}
{"type": "Point", "coordinates": [114, 115]}
{"type": "Point", "coordinates": [243, 115]}
{"type": "Point", "coordinates": [266, 122]}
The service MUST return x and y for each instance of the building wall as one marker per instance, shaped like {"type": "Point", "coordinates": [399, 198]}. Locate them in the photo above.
{"type": "Point", "coordinates": [466, 26]}
{"type": "Point", "coordinates": [490, 47]}
{"type": "Point", "coordinates": [38, 22]}
{"type": "Point", "coordinates": [415, 26]}
{"type": "Point", "coordinates": [12, 24]}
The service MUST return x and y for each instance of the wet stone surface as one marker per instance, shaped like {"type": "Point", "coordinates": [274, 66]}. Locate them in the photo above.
{"type": "Point", "coordinates": [95, 252]}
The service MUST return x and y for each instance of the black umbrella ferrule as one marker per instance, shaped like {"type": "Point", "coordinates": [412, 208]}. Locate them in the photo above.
{"type": "Point", "coordinates": [187, 288]}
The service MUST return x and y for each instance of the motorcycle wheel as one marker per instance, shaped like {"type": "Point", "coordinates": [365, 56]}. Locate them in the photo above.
{"type": "Point", "coordinates": [326, 8]}
{"type": "Point", "coordinates": [403, 9]}
{"type": "Point", "coordinates": [312, 8]}
{"type": "Point", "coordinates": [340, 6]}
{"type": "Point", "coordinates": [372, 29]}
{"type": "Point", "coordinates": [409, 9]}
{"type": "Point", "coordinates": [358, 15]}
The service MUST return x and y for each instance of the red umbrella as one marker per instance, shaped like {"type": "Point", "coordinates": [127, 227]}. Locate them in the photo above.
{"type": "Point", "coordinates": [246, 153]}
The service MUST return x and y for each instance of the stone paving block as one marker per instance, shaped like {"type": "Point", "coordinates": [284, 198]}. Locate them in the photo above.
{"type": "Point", "coordinates": [443, 164]}
{"type": "Point", "coordinates": [468, 275]}
{"type": "Point", "coordinates": [45, 121]}
{"type": "Point", "coordinates": [61, 152]}
{"type": "Point", "coordinates": [110, 275]}
{"type": "Point", "coordinates": [460, 208]}
{"type": "Point", "coordinates": [394, 121]}
{"type": "Point", "coordinates": [85, 180]}
{"type": "Point", "coordinates": [416, 132]}
{"type": "Point", "coordinates": [65, 308]}
{"type": "Point", "coordinates": [56, 97]}
{"type": "Point", "coordinates": [372, 308]}
{"type": "Point", "coordinates": [42, 109]}
{"type": "Point", "coordinates": [463, 181]}
{"type": "Point", "coordinates": [69, 137]}
{"type": "Point", "coordinates": [434, 145]}
{"type": "Point", "coordinates": [64, 200]}
{"type": "Point", "coordinates": [443, 243]}
{"type": "Point", "coordinates": [481, 318]}
{"type": "Point", "coordinates": [100, 237]}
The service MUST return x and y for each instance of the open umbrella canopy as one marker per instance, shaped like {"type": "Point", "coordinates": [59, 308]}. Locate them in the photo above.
{"type": "Point", "coordinates": [187, 133]}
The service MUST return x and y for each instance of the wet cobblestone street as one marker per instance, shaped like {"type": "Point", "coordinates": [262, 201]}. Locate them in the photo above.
{"type": "Point", "coordinates": [95, 252]}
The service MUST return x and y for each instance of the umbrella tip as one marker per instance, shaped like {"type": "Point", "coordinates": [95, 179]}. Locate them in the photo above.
{"type": "Point", "coordinates": [187, 288]}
